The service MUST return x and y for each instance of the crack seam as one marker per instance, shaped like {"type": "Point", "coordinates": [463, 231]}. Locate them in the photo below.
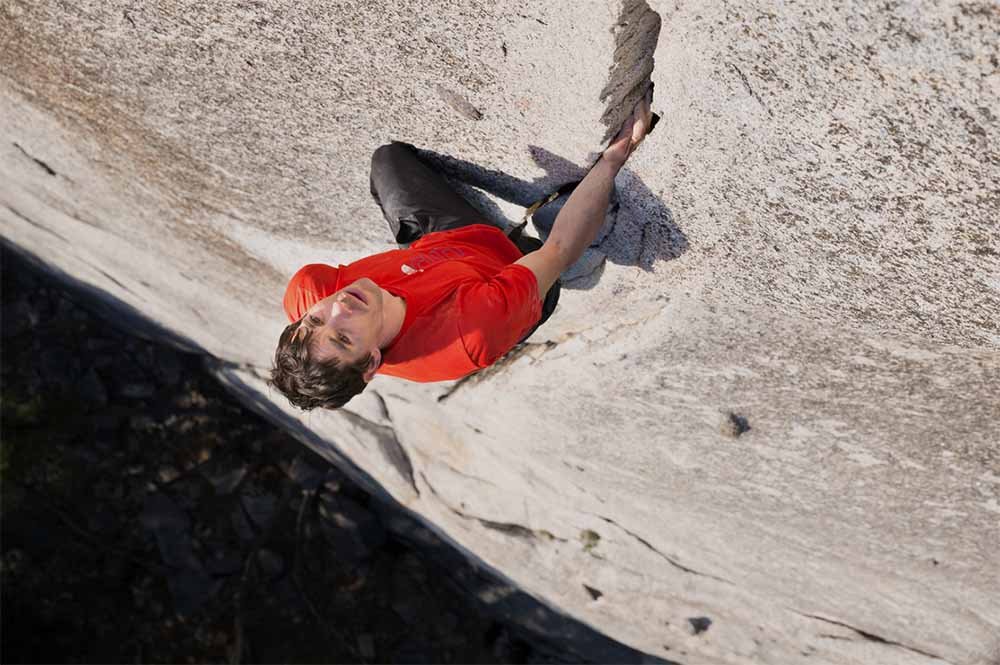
{"type": "Point", "coordinates": [753, 94]}
{"type": "Point", "coordinates": [389, 445]}
{"type": "Point", "coordinates": [516, 530]}
{"type": "Point", "coordinates": [865, 634]}
{"type": "Point", "coordinates": [669, 559]}
{"type": "Point", "coordinates": [48, 169]}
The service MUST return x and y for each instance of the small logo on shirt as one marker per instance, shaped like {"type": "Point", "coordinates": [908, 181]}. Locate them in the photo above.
{"type": "Point", "coordinates": [432, 257]}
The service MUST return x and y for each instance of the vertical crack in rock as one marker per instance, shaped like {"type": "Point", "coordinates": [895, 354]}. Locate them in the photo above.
{"type": "Point", "coordinates": [865, 634]}
{"type": "Point", "coordinates": [509, 528]}
{"type": "Point", "coordinates": [636, 32]}
{"type": "Point", "coordinates": [669, 559]}
{"type": "Point", "coordinates": [390, 447]}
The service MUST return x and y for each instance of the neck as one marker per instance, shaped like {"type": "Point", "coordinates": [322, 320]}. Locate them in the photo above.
{"type": "Point", "coordinates": [393, 315]}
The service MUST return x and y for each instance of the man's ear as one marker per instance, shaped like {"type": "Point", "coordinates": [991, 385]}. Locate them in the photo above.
{"type": "Point", "coordinates": [373, 365]}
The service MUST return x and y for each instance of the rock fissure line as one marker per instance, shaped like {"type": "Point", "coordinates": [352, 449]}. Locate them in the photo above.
{"type": "Point", "coordinates": [510, 528]}
{"type": "Point", "coordinates": [48, 169]}
{"type": "Point", "coordinates": [753, 93]}
{"type": "Point", "coordinates": [382, 406]}
{"type": "Point", "coordinates": [468, 475]}
{"type": "Point", "coordinates": [865, 634]}
{"type": "Point", "coordinates": [21, 216]}
{"type": "Point", "coordinates": [669, 559]}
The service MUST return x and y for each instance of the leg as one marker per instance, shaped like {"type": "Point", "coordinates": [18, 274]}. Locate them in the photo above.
{"type": "Point", "coordinates": [414, 198]}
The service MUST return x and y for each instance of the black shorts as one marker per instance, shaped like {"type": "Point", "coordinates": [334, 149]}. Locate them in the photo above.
{"type": "Point", "coordinates": [417, 200]}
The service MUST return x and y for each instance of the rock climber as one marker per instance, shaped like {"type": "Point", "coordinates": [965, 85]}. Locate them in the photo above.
{"type": "Point", "coordinates": [457, 295]}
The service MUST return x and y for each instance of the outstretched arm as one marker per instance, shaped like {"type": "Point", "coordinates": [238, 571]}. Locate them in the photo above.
{"type": "Point", "coordinates": [583, 215]}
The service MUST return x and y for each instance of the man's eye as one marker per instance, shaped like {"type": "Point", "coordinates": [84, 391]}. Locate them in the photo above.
{"type": "Point", "coordinates": [344, 340]}
{"type": "Point", "coordinates": [315, 321]}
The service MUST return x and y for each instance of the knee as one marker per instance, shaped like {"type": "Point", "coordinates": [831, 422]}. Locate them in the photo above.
{"type": "Point", "coordinates": [386, 154]}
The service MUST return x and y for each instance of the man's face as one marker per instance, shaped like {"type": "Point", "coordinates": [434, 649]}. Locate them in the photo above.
{"type": "Point", "coordinates": [347, 325]}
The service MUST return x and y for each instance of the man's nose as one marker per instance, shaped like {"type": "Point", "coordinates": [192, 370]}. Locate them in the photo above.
{"type": "Point", "coordinates": [340, 307]}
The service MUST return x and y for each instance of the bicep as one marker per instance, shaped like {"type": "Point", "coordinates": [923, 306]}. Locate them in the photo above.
{"type": "Point", "coordinates": [547, 264]}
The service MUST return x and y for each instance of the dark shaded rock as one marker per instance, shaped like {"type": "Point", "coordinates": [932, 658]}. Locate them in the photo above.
{"type": "Point", "coordinates": [168, 368]}
{"type": "Point", "coordinates": [18, 317]}
{"type": "Point", "coordinates": [734, 425]}
{"type": "Point", "coordinates": [698, 625]}
{"type": "Point", "coordinates": [59, 368]}
{"type": "Point", "coordinates": [227, 482]}
{"type": "Point", "coordinates": [160, 512]}
{"type": "Point", "coordinates": [447, 623]}
{"type": "Point", "coordinates": [409, 609]}
{"type": "Point", "coordinates": [366, 645]}
{"type": "Point", "coordinates": [270, 562]}
{"type": "Point", "coordinates": [506, 647]}
{"type": "Point", "coordinates": [172, 528]}
{"type": "Point", "coordinates": [306, 475]}
{"type": "Point", "coordinates": [92, 388]}
{"type": "Point", "coordinates": [224, 564]}
{"type": "Point", "coordinates": [190, 589]}
{"type": "Point", "coordinates": [351, 529]}
{"type": "Point", "coordinates": [137, 390]}
{"type": "Point", "coordinates": [413, 651]}
{"type": "Point", "coordinates": [241, 525]}
{"type": "Point", "coordinates": [167, 474]}
{"type": "Point", "coordinates": [260, 508]}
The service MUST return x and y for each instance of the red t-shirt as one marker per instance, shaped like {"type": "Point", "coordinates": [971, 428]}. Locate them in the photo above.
{"type": "Point", "coordinates": [467, 303]}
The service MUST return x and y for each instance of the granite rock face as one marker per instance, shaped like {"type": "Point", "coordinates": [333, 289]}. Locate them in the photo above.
{"type": "Point", "coordinates": [762, 429]}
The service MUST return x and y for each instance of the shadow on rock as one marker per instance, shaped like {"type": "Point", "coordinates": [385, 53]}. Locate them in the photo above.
{"type": "Point", "coordinates": [639, 230]}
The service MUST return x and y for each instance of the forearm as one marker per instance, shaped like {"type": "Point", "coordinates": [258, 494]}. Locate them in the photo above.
{"type": "Point", "coordinates": [583, 214]}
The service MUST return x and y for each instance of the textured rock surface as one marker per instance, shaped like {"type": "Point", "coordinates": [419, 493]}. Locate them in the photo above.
{"type": "Point", "coordinates": [808, 241]}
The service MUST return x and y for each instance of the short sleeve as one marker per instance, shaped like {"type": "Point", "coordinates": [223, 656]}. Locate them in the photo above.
{"type": "Point", "coordinates": [308, 286]}
{"type": "Point", "coordinates": [495, 314]}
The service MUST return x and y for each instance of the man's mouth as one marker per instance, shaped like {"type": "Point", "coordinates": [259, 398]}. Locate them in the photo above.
{"type": "Point", "coordinates": [358, 296]}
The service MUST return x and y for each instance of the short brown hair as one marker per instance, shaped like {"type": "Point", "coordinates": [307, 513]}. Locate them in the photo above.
{"type": "Point", "coordinates": [309, 383]}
